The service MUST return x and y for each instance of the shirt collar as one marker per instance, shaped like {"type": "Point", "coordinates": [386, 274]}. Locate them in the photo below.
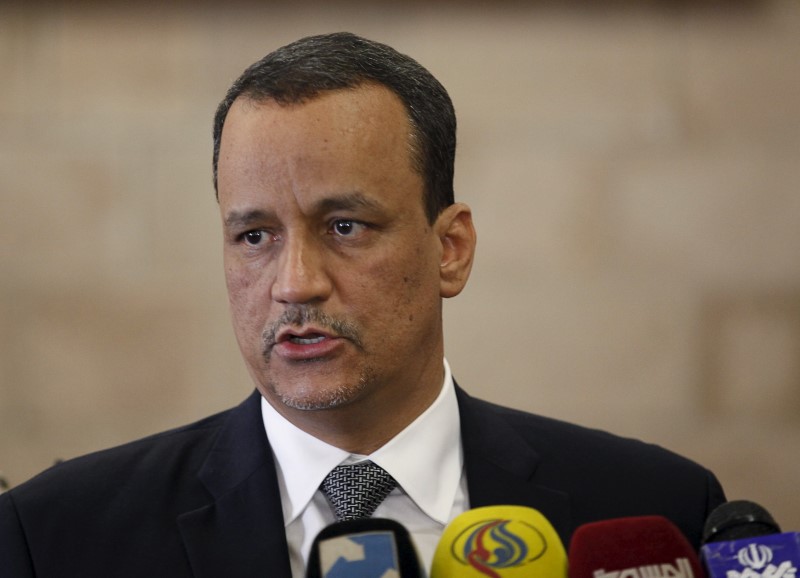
{"type": "Point", "coordinates": [425, 458]}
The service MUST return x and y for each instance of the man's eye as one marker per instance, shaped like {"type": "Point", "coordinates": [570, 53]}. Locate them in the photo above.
{"type": "Point", "coordinates": [253, 237]}
{"type": "Point", "coordinates": [347, 227]}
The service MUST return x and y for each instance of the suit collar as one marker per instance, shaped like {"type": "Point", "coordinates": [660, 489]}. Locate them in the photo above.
{"type": "Point", "coordinates": [502, 466]}
{"type": "Point", "coordinates": [241, 533]}
{"type": "Point", "coordinates": [240, 450]}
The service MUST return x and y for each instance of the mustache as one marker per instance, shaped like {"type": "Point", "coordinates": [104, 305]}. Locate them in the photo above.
{"type": "Point", "coordinates": [299, 315]}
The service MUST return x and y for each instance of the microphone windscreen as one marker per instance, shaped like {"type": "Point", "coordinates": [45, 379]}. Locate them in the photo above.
{"type": "Point", "coordinates": [632, 547]}
{"type": "Point", "coordinates": [738, 519]}
{"type": "Point", "coordinates": [742, 540]}
{"type": "Point", "coordinates": [499, 541]}
{"type": "Point", "coordinates": [366, 548]}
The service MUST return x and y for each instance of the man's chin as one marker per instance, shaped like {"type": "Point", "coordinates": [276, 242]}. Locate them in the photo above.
{"type": "Point", "coordinates": [320, 399]}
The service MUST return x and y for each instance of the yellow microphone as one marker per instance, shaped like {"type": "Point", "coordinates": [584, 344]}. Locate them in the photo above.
{"type": "Point", "coordinates": [500, 542]}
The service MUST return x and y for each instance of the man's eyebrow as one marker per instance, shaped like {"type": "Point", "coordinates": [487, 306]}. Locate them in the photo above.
{"type": "Point", "coordinates": [243, 219]}
{"type": "Point", "coordinates": [347, 201]}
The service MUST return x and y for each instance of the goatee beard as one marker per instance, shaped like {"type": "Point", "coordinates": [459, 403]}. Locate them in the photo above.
{"type": "Point", "coordinates": [313, 398]}
{"type": "Point", "coordinates": [310, 396]}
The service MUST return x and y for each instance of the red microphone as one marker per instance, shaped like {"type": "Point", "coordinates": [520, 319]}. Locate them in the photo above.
{"type": "Point", "coordinates": [636, 547]}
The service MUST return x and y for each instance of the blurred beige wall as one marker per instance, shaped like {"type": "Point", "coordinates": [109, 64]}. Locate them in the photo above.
{"type": "Point", "coordinates": [633, 171]}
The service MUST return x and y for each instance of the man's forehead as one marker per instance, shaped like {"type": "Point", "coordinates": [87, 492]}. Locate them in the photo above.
{"type": "Point", "coordinates": [345, 149]}
{"type": "Point", "coordinates": [367, 124]}
{"type": "Point", "coordinates": [368, 113]}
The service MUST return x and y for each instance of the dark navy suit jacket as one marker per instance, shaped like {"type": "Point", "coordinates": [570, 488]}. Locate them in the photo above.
{"type": "Point", "coordinates": [203, 500]}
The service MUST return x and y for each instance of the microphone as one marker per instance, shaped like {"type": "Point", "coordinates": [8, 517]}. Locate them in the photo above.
{"type": "Point", "coordinates": [742, 540]}
{"type": "Point", "coordinates": [499, 542]}
{"type": "Point", "coordinates": [364, 548]}
{"type": "Point", "coordinates": [738, 519]}
{"type": "Point", "coordinates": [632, 547]}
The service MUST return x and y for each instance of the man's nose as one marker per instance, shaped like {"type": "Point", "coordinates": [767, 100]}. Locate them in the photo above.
{"type": "Point", "coordinates": [302, 274]}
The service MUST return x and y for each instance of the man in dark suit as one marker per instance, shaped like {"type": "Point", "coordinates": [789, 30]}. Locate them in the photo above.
{"type": "Point", "coordinates": [333, 164]}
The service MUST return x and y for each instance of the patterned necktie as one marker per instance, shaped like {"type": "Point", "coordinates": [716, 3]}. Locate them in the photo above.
{"type": "Point", "coordinates": [355, 491]}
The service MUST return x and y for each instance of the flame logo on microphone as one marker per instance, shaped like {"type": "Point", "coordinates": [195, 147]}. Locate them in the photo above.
{"type": "Point", "coordinates": [497, 544]}
{"type": "Point", "coordinates": [755, 555]}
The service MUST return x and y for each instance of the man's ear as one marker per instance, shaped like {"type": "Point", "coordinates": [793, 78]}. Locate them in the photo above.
{"type": "Point", "coordinates": [457, 235]}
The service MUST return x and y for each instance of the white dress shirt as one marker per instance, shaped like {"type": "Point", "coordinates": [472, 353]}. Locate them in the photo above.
{"type": "Point", "coordinates": [425, 459]}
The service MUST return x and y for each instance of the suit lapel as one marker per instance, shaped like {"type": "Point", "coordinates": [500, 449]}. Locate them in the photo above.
{"type": "Point", "coordinates": [501, 466]}
{"type": "Point", "coordinates": [240, 533]}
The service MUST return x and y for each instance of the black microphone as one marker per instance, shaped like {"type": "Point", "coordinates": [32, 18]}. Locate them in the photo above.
{"type": "Point", "coordinates": [738, 519]}
{"type": "Point", "coordinates": [742, 540]}
{"type": "Point", "coordinates": [365, 548]}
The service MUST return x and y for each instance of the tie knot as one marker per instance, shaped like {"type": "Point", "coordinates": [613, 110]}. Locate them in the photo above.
{"type": "Point", "coordinates": [356, 490]}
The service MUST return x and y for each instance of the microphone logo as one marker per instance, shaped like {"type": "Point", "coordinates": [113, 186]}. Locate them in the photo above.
{"type": "Point", "coordinates": [756, 556]}
{"type": "Point", "coordinates": [489, 546]}
{"type": "Point", "coordinates": [770, 556]}
{"type": "Point", "coordinates": [681, 569]}
{"type": "Point", "coordinates": [366, 554]}
{"type": "Point", "coordinates": [757, 560]}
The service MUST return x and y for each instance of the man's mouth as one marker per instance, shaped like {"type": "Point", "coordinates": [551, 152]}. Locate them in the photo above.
{"type": "Point", "coordinates": [303, 335]}
{"type": "Point", "coordinates": [306, 339]}
{"type": "Point", "coordinates": [306, 344]}
{"type": "Point", "coordinates": [308, 333]}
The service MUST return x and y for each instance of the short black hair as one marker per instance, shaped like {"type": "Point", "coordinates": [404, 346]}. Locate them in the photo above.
{"type": "Point", "coordinates": [300, 71]}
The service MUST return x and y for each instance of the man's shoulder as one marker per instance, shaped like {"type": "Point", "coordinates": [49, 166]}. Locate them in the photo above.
{"type": "Point", "coordinates": [601, 475]}
{"type": "Point", "coordinates": [545, 429]}
{"type": "Point", "coordinates": [163, 458]}
{"type": "Point", "coordinates": [120, 507]}
{"type": "Point", "coordinates": [562, 439]}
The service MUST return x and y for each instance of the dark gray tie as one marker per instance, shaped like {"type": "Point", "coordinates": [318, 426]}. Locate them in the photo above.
{"type": "Point", "coordinates": [355, 491]}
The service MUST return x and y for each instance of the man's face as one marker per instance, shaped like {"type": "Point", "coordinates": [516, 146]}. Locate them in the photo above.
{"type": "Point", "coordinates": [333, 271]}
